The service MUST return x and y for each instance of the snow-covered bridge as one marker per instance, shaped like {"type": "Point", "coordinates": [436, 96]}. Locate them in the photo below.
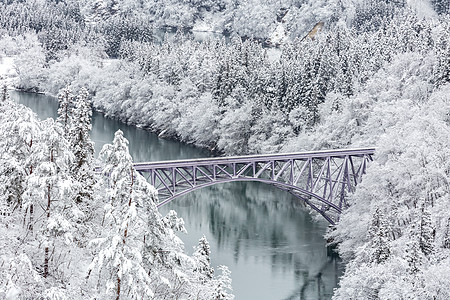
{"type": "Point", "coordinates": [320, 178]}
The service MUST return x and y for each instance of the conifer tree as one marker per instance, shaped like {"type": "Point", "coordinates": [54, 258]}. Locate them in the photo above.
{"type": "Point", "coordinates": [120, 259]}
{"type": "Point", "coordinates": [379, 234]}
{"type": "Point", "coordinates": [19, 135]}
{"type": "Point", "coordinates": [426, 231]}
{"type": "Point", "coordinates": [441, 6]}
{"type": "Point", "coordinates": [446, 242]}
{"type": "Point", "coordinates": [83, 147]}
{"type": "Point", "coordinates": [202, 255]}
{"type": "Point", "coordinates": [223, 287]}
{"type": "Point", "coordinates": [413, 257]}
{"type": "Point", "coordinates": [4, 95]}
{"type": "Point", "coordinates": [49, 188]}
{"type": "Point", "coordinates": [65, 111]}
{"type": "Point", "coordinates": [139, 256]}
{"type": "Point", "coordinates": [442, 69]}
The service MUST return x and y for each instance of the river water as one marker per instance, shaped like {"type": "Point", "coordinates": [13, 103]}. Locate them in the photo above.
{"type": "Point", "coordinates": [264, 235]}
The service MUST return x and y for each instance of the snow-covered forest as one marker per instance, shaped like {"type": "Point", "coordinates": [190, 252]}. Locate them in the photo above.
{"type": "Point", "coordinates": [377, 74]}
{"type": "Point", "coordinates": [71, 233]}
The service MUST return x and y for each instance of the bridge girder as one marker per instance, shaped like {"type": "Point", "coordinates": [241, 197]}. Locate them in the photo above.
{"type": "Point", "coordinates": [321, 179]}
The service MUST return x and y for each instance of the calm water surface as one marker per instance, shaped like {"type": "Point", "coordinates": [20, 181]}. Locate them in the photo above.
{"type": "Point", "coordinates": [264, 235]}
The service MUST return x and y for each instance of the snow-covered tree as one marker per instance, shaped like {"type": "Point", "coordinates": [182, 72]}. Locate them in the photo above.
{"type": "Point", "coordinates": [83, 147]}
{"type": "Point", "coordinates": [446, 242]}
{"type": "Point", "coordinates": [139, 256]}
{"type": "Point", "coordinates": [379, 235]}
{"type": "Point", "coordinates": [426, 230]}
{"type": "Point", "coordinates": [65, 111]}
{"type": "Point", "coordinates": [414, 257]}
{"type": "Point", "coordinates": [49, 190]}
{"type": "Point", "coordinates": [202, 255]}
{"type": "Point", "coordinates": [442, 69]}
{"type": "Point", "coordinates": [4, 95]}
{"type": "Point", "coordinates": [19, 131]}
{"type": "Point", "coordinates": [223, 287]}
{"type": "Point", "coordinates": [18, 277]}
{"type": "Point", "coordinates": [119, 261]}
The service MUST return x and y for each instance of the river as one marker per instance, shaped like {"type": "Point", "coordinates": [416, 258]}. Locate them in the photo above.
{"type": "Point", "coordinates": [264, 235]}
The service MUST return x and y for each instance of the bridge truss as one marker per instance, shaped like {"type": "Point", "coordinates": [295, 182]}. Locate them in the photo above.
{"type": "Point", "coordinates": [321, 179]}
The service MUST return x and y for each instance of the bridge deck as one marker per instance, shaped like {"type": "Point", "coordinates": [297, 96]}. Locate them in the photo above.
{"type": "Point", "coordinates": [259, 157]}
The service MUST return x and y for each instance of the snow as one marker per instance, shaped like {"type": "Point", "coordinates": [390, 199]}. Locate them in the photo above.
{"type": "Point", "coordinates": [208, 27]}
{"type": "Point", "coordinates": [8, 72]}
{"type": "Point", "coordinates": [278, 36]}
{"type": "Point", "coordinates": [203, 26]}
{"type": "Point", "coordinates": [273, 54]}
{"type": "Point", "coordinates": [422, 8]}
{"type": "Point", "coordinates": [12, 293]}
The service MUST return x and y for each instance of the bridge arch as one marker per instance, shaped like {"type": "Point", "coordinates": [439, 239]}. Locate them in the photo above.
{"type": "Point", "coordinates": [294, 190]}
{"type": "Point", "coordinates": [321, 179]}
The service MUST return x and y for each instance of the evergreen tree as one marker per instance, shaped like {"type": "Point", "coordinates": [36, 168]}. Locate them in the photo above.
{"type": "Point", "coordinates": [49, 188]}
{"type": "Point", "coordinates": [139, 255]}
{"type": "Point", "coordinates": [446, 242]}
{"type": "Point", "coordinates": [19, 137]}
{"type": "Point", "coordinates": [223, 288]}
{"type": "Point", "coordinates": [65, 111]}
{"type": "Point", "coordinates": [413, 257]}
{"type": "Point", "coordinates": [441, 6]}
{"type": "Point", "coordinates": [426, 231]}
{"type": "Point", "coordinates": [379, 235]}
{"type": "Point", "coordinates": [224, 82]}
{"type": "Point", "coordinates": [83, 147]}
{"type": "Point", "coordinates": [4, 95]}
{"type": "Point", "coordinates": [122, 274]}
{"type": "Point", "coordinates": [442, 69]}
{"type": "Point", "coordinates": [202, 255]}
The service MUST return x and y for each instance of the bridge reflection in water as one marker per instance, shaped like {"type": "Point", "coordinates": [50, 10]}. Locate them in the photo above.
{"type": "Point", "coordinates": [321, 179]}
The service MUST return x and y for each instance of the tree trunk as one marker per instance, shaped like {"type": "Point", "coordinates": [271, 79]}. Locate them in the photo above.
{"type": "Point", "coordinates": [30, 224]}
{"type": "Point", "coordinates": [118, 288]}
{"type": "Point", "coordinates": [125, 234]}
{"type": "Point", "coordinates": [46, 250]}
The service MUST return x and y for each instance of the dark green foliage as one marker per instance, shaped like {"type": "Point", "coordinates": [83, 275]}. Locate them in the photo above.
{"type": "Point", "coordinates": [413, 257]}
{"type": "Point", "coordinates": [118, 29]}
{"type": "Point", "coordinates": [82, 146]}
{"type": "Point", "coordinates": [441, 6]}
{"type": "Point", "coordinates": [379, 233]}
{"type": "Point", "coordinates": [203, 255]}
{"type": "Point", "coordinates": [426, 231]}
{"type": "Point", "coordinates": [372, 14]}
{"type": "Point", "coordinates": [4, 95]}
{"type": "Point", "coordinates": [442, 70]}
{"type": "Point", "coordinates": [65, 110]}
{"type": "Point", "coordinates": [446, 243]}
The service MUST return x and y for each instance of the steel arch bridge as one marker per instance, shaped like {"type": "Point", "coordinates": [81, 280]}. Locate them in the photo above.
{"type": "Point", "coordinates": [321, 179]}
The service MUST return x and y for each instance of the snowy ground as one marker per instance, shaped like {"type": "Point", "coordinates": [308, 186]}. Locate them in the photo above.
{"type": "Point", "coordinates": [8, 73]}
{"type": "Point", "coordinates": [278, 36]}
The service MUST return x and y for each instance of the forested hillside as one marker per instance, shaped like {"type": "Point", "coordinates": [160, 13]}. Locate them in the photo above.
{"type": "Point", "coordinates": [378, 74]}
